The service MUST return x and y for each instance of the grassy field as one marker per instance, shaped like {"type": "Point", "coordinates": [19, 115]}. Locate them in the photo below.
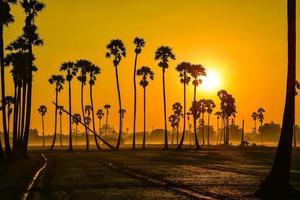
{"type": "Point", "coordinates": [214, 173]}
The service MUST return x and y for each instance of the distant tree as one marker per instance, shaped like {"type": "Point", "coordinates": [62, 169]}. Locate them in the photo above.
{"type": "Point", "coordinates": [202, 110]}
{"type": "Point", "coordinates": [139, 44]}
{"type": "Point", "coordinates": [106, 107]}
{"type": "Point", "coordinates": [174, 124]}
{"type": "Point", "coordinates": [196, 115]}
{"type": "Point", "coordinates": [71, 69]}
{"type": "Point", "coordinates": [196, 71]}
{"type": "Point", "coordinates": [183, 69]}
{"type": "Point", "coordinates": [163, 55]}
{"type": "Point", "coordinates": [260, 117]}
{"type": "Point", "coordinates": [100, 115]}
{"type": "Point", "coordinates": [177, 110]}
{"type": "Point", "coordinates": [60, 108]}
{"type": "Point", "coordinates": [117, 50]}
{"type": "Point", "coordinates": [87, 121]}
{"type": "Point", "coordinates": [58, 81]}
{"type": "Point", "coordinates": [209, 105]}
{"type": "Point", "coordinates": [42, 111]}
{"type": "Point", "coordinates": [146, 73]}
{"type": "Point", "coordinates": [254, 117]}
{"type": "Point", "coordinates": [76, 120]}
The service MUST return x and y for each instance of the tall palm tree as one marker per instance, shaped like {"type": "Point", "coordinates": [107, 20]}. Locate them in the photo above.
{"type": "Point", "coordinates": [177, 109]}
{"type": "Point", "coordinates": [58, 81]}
{"type": "Point", "coordinates": [145, 72]}
{"type": "Point", "coordinates": [5, 19]}
{"type": "Point", "coordinates": [76, 120]}
{"type": "Point", "coordinates": [276, 185]}
{"type": "Point", "coordinates": [117, 50]}
{"type": "Point", "coordinates": [100, 115]}
{"type": "Point", "coordinates": [254, 117]}
{"type": "Point", "coordinates": [209, 105]}
{"type": "Point", "coordinates": [183, 69]}
{"type": "Point", "coordinates": [83, 66]}
{"type": "Point", "coordinates": [260, 117]}
{"type": "Point", "coordinates": [163, 54]}
{"type": "Point", "coordinates": [43, 110]}
{"type": "Point", "coordinates": [106, 107]}
{"type": "Point", "coordinates": [196, 71]}
{"type": "Point", "coordinates": [60, 108]}
{"type": "Point", "coordinates": [139, 44]}
{"type": "Point", "coordinates": [71, 69]}
{"type": "Point", "coordinates": [93, 70]}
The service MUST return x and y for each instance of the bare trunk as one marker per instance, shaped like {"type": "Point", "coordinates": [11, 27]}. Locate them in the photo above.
{"type": "Point", "coordinates": [208, 121]}
{"type": "Point", "coordinates": [106, 122]}
{"type": "Point", "coordinates": [134, 106]}
{"type": "Point", "coordinates": [60, 129]}
{"type": "Point", "coordinates": [55, 120]}
{"type": "Point", "coordinates": [83, 116]}
{"type": "Point", "coordinates": [93, 116]}
{"type": "Point", "coordinates": [195, 126]}
{"type": "Point", "coordinates": [70, 118]}
{"type": "Point", "coordinates": [120, 109]}
{"type": "Point", "coordinates": [43, 126]}
{"type": "Point", "coordinates": [144, 136]}
{"type": "Point", "coordinates": [184, 115]}
{"type": "Point", "coordinates": [165, 110]}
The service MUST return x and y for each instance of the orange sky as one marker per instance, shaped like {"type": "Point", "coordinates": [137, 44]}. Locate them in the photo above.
{"type": "Point", "coordinates": [243, 41]}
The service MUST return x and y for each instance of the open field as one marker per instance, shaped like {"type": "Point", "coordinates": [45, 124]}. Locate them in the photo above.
{"type": "Point", "coordinates": [214, 173]}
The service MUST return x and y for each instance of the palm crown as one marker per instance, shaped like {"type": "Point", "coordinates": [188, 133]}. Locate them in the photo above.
{"type": "Point", "coordinates": [70, 68]}
{"type": "Point", "coordinates": [164, 54]}
{"type": "Point", "coordinates": [5, 15]}
{"type": "Point", "coordinates": [42, 110]}
{"type": "Point", "coordinates": [209, 105]}
{"type": "Point", "coordinates": [184, 68]}
{"type": "Point", "coordinates": [145, 72]}
{"type": "Point", "coordinates": [93, 70]}
{"type": "Point", "coordinates": [177, 108]}
{"type": "Point", "coordinates": [107, 106]}
{"type": "Point", "coordinates": [116, 49]}
{"type": "Point", "coordinates": [139, 44]}
{"type": "Point", "coordinates": [76, 118]}
{"type": "Point", "coordinates": [58, 80]}
{"type": "Point", "coordinates": [197, 70]}
{"type": "Point", "coordinates": [100, 114]}
{"type": "Point", "coordinates": [83, 66]}
{"type": "Point", "coordinates": [88, 109]}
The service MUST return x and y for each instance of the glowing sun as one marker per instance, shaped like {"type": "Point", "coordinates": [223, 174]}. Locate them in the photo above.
{"type": "Point", "coordinates": [211, 81]}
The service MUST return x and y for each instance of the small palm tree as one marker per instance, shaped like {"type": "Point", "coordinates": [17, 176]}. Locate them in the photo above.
{"type": "Point", "coordinates": [100, 115]}
{"type": "Point", "coordinates": [209, 105]}
{"type": "Point", "coordinates": [58, 81]}
{"type": "Point", "coordinates": [163, 55]}
{"type": "Point", "coordinates": [60, 108]}
{"type": "Point", "coordinates": [177, 109]}
{"type": "Point", "coordinates": [123, 112]}
{"type": "Point", "coordinates": [254, 117]}
{"type": "Point", "coordinates": [76, 120]}
{"type": "Point", "coordinates": [260, 117]}
{"type": "Point", "coordinates": [71, 69]}
{"type": "Point", "coordinates": [106, 107]}
{"type": "Point", "coordinates": [116, 49]}
{"type": "Point", "coordinates": [196, 71]}
{"type": "Point", "coordinates": [139, 44]}
{"type": "Point", "coordinates": [189, 125]}
{"type": "Point", "coordinates": [145, 72]}
{"type": "Point", "coordinates": [174, 124]}
{"type": "Point", "coordinates": [202, 110]}
{"type": "Point", "coordinates": [87, 121]}
{"type": "Point", "coordinates": [43, 110]}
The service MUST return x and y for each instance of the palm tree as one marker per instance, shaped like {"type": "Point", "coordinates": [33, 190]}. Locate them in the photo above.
{"type": "Point", "coordinates": [254, 117]}
{"type": "Point", "coordinates": [123, 111]}
{"type": "Point", "coordinates": [196, 71]}
{"type": "Point", "coordinates": [60, 124]}
{"type": "Point", "coordinates": [145, 72]}
{"type": "Point", "coordinates": [99, 115]}
{"type": "Point", "coordinates": [202, 110]}
{"type": "Point", "coordinates": [174, 124]}
{"type": "Point", "coordinates": [5, 19]}
{"type": "Point", "coordinates": [163, 54]}
{"type": "Point", "coordinates": [76, 120]}
{"type": "Point", "coordinates": [83, 66]}
{"type": "Point", "coordinates": [139, 44]}
{"type": "Point", "coordinates": [87, 119]}
{"type": "Point", "coordinates": [71, 69]}
{"type": "Point", "coordinates": [276, 185]}
{"type": "Point", "coordinates": [183, 69]}
{"type": "Point", "coordinates": [209, 105]}
{"type": "Point", "coordinates": [177, 109]}
{"type": "Point", "coordinates": [189, 125]}
{"type": "Point", "coordinates": [260, 117]}
{"type": "Point", "coordinates": [58, 81]}
{"type": "Point", "coordinates": [43, 110]}
{"type": "Point", "coordinates": [93, 71]}
{"type": "Point", "coordinates": [218, 114]}
{"type": "Point", "coordinates": [106, 107]}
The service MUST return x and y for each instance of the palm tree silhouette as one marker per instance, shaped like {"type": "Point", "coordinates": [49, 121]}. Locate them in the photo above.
{"type": "Point", "coordinates": [116, 49]}
{"type": "Point", "coordinates": [209, 105]}
{"type": "Point", "coordinates": [276, 185]}
{"type": "Point", "coordinates": [195, 110]}
{"type": "Point", "coordinates": [163, 54]}
{"type": "Point", "coordinates": [58, 81]}
{"type": "Point", "coordinates": [100, 115]}
{"type": "Point", "coordinates": [218, 114]}
{"type": "Point", "coordinates": [123, 112]}
{"type": "Point", "coordinates": [177, 109]}
{"type": "Point", "coordinates": [76, 120]}
{"type": "Point", "coordinates": [43, 110]}
{"type": "Point", "coordinates": [189, 125]}
{"type": "Point", "coordinates": [183, 69]}
{"type": "Point", "coordinates": [83, 66]}
{"type": "Point", "coordinates": [71, 69]}
{"type": "Point", "coordinates": [106, 107]}
{"type": "Point", "coordinates": [174, 124]}
{"type": "Point", "coordinates": [60, 124]}
{"type": "Point", "coordinates": [254, 117]}
{"type": "Point", "coordinates": [196, 71]}
{"type": "Point", "coordinates": [139, 44]}
{"type": "Point", "coordinates": [145, 72]}
{"type": "Point", "coordinates": [260, 117]}
{"type": "Point", "coordinates": [5, 19]}
{"type": "Point", "coordinates": [202, 110]}
{"type": "Point", "coordinates": [93, 70]}
{"type": "Point", "coordinates": [87, 119]}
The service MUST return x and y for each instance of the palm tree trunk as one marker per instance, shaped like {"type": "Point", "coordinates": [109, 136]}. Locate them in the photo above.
{"type": "Point", "coordinates": [120, 108]}
{"type": "Point", "coordinates": [99, 126]}
{"type": "Point", "coordinates": [184, 115]}
{"type": "Point", "coordinates": [55, 120]}
{"type": "Point", "coordinates": [177, 132]}
{"type": "Point", "coordinates": [195, 125]}
{"type": "Point", "coordinates": [76, 132]}
{"type": "Point", "coordinates": [43, 126]}
{"type": "Point", "coordinates": [134, 107]}
{"type": "Point", "coordinates": [23, 109]}
{"type": "Point", "coordinates": [70, 118]}
{"type": "Point", "coordinates": [277, 182]}
{"type": "Point", "coordinates": [1, 153]}
{"type": "Point", "coordinates": [203, 129]}
{"type": "Point", "coordinates": [106, 122]}
{"type": "Point", "coordinates": [60, 129]}
{"type": "Point", "coordinates": [242, 140]}
{"type": "Point", "coordinates": [93, 116]}
{"type": "Point", "coordinates": [144, 136]}
{"type": "Point", "coordinates": [262, 136]}
{"type": "Point", "coordinates": [295, 138]}
{"type": "Point", "coordinates": [218, 133]}
{"type": "Point", "coordinates": [208, 121]}
{"type": "Point", "coordinates": [82, 110]}
{"type": "Point", "coordinates": [165, 110]}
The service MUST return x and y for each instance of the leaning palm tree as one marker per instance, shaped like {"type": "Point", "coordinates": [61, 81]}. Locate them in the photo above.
{"type": "Point", "coordinates": [43, 110]}
{"type": "Point", "coordinates": [183, 69]}
{"type": "Point", "coordinates": [260, 117]}
{"type": "Point", "coordinates": [58, 81]}
{"type": "Point", "coordinates": [116, 50]}
{"type": "Point", "coordinates": [276, 185]}
{"type": "Point", "coordinates": [93, 70]}
{"type": "Point", "coordinates": [60, 108]}
{"type": "Point", "coordinates": [254, 117]}
{"type": "Point", "coordinates": [71, 69]}
{"type": "Point", "coordinates": [106, 107]}
{"type": "Point", "coordinates": [76, 120]}
{"type": "Point", "coordinates": [139, 44]}
{"type": "Point", "coordinates": [145, 72]}
{"type": "Point", "coordinates": [83, 66]}
{"type": "Point", "coordinates": [100, 115]}
{"type": "Point", "coordinates": [163, 54]}
{"type": "Point", "coordinates": [209, 105]}
{"type": "Point", "coordinates": [196, 71]}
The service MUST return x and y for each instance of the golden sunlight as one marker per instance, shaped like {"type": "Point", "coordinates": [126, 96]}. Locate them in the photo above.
{"type": "Point", "coordinates": [211, 82]}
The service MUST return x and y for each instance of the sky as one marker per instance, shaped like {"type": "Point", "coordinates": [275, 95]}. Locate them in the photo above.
{"type": "Point", "coordinates": [242, 43]}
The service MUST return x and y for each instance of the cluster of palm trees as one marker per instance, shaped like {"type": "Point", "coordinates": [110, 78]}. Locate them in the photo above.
{"type": "Point", "coordinates": [258, 115]}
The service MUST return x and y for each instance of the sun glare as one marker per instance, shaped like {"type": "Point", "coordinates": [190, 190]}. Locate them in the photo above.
{"type": "Point", "coordinates": [211, 82]}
